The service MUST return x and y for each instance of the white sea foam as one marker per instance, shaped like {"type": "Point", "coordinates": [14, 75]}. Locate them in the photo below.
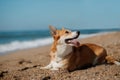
{"type": "Point", "coordinates": [20, 45]}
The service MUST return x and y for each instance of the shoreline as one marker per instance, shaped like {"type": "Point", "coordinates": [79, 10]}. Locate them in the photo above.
{"type": "Point", "coordinates": [83, 36]}
{"type": "Point", "coordinates": [25, 64]}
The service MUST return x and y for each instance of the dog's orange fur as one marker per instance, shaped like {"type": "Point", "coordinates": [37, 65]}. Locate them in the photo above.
{"type": "Point", "coordinates": [85, 55]}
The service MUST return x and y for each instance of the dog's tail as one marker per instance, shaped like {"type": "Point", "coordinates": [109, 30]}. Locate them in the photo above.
{"type": "Point", "coordinates": [111, 60]}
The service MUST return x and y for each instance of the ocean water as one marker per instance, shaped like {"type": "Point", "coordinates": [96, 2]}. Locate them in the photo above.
{"type": "Point", "coordinates": [19, 40]}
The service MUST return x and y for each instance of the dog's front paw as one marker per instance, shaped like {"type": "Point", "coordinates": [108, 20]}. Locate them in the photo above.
{"type": "Point", "coordinates": [54, 69]}
{"type": "Point", "coordinates": [42, 67]}
{"type": "Point", "coordinates": [46, 67]}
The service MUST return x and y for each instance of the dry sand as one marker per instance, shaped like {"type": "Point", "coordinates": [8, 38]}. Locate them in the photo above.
{"type": "Point", "coordinates": [25, 64]}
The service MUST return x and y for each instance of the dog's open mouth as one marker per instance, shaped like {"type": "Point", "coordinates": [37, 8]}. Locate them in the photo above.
{"type": "Point", "coordinates": [73, 41]}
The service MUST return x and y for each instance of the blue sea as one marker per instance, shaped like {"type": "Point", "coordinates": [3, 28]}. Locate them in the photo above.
{"type": "Point", "coordinates": [19, 40]}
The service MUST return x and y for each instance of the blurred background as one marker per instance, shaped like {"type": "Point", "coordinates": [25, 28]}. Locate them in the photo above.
{"type": "Point", "coordinates": [24, 23]}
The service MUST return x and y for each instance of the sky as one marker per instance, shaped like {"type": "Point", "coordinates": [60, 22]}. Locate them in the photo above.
{"type": "Point", "coordinates": [75, 14]}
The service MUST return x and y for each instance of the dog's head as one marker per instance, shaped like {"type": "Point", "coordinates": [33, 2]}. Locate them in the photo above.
{"type": "Point", "coordinates": [65, 36]}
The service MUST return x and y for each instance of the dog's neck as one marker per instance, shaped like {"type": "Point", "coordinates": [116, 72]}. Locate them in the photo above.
{"type": "Point", "coordinates": [61, 50]}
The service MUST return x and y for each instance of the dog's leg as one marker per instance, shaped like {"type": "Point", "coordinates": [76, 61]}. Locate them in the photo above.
{"type": "Point", "coordinates": [57, 66]}
{"type": "Point", "coordinates": [112, 60]}
{"type": "Point", "coordinates": [54, 68]}
{"type": "Point", "coordinates": [49, 66]}
{"type": "Point", "coordinates": [53, 65]}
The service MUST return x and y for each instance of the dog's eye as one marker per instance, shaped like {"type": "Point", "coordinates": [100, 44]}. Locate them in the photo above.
{"type": "Point", "coordinates": [66, 32]}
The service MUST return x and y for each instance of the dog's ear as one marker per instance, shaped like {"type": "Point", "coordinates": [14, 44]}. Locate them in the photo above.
{"type": "Point", "coordinates": [52, 30]}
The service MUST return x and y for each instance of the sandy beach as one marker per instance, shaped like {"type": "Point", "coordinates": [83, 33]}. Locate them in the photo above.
{"type": "Point", "coordinates": [25, 64]}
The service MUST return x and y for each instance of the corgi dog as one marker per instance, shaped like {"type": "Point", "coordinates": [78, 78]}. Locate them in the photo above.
{"type": "Point", "coordinates": [67, 52]}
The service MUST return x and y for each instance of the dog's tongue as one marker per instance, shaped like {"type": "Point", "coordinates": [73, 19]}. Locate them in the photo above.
{"type": "Point", "coordinates": [75, 42]}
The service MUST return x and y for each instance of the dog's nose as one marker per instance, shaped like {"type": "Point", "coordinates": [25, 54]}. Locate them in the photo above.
{"type": "Point", "coordinates": [78, 32]}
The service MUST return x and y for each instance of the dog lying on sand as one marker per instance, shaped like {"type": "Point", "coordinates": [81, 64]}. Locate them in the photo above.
{"type": "Point", "coordinates": [67, 52]}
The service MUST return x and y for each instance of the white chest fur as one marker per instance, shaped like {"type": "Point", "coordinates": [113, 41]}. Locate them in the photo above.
{"type": "Point", "coordinates": [62, 51]}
